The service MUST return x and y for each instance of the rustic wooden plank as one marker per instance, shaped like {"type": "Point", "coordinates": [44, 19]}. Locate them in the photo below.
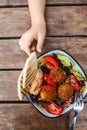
{"type": "Point", "coordinates": [12, 57]}
{"type": "Point", "coordinates": [64, 21]}
{"type": "Point", "coordinates": [66, 1]}
{"type": "Point", "coordinates": [13, 2]}
{"type": "Point", "coordinates": [8, 86]}
{"type": "Point", "coordinates": [20, 117]}
{"type": "Point", "coordinates": [24, 2]}
{"type": "Point", "coordinates": [10, 54]}
{"type": "Point", "coordinates": [11, 21]}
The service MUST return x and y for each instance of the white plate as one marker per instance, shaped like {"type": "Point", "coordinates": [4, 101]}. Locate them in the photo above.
{"type": "Point", "coordinates": [76, 65]}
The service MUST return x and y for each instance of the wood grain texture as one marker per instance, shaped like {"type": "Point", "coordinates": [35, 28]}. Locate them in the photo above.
{"type": "Point", "coordinates": [13, 2]}
{"type": "Point", "coordinates": [12, 57]}
{"type": "Point", "coordinates": [66, 20]}
{"type": "Point", "coordinates": [20, 117]}
{"type": "Point", "coordinates": [24, 2]}
{"type": "Point", "coordinates": [8, 85]}
{"type": "Point", "coordinates": [60, 21]}
{"type": "Point", "coordinates": [66, 1]}
{"type": "Point", "coordinates": [14, 21]}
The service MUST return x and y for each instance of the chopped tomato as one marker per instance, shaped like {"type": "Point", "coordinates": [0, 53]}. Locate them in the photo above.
{"type": "Point", "coordinates": [49, 65]}
{"type": "Point", "coordinates": [49, 80]}
{"type": "Point", "coordinates": [75, 83]}
{"type": "Point", "coordinates": [53, 108]}
{"type": "Point", "coordinates": [51, 60]}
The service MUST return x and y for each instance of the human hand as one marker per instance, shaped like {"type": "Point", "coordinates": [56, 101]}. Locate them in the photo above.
{"type": "Point", "coordinates": [36, 32]}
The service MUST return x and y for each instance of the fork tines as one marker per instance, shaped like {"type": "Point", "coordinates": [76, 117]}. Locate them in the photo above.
{"type": "Point", "coordinates": [78, 97]}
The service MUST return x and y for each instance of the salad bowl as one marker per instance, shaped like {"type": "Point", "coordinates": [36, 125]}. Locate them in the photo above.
{"type": "Point", "coordinates": [76, 67]}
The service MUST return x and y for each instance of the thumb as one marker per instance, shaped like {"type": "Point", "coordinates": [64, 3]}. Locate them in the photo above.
{"type": "Point", "coordinates": [40, 43]}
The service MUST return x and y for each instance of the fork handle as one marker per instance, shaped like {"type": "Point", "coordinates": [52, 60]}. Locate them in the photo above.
{"type": "Point", "coordinates": [73, 121]}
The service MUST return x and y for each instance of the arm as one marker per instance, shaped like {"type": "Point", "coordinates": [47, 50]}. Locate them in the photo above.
{"type": "Point", "coordinates": [37, 9]}
{"type": "Point", "coordinates": [38, 28]}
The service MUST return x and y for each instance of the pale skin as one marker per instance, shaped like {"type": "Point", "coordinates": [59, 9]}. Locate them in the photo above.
{"type": "Point", "coordinates": [38, 28]}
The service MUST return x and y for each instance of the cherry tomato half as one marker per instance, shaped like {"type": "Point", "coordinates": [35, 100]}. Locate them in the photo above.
{"type": "Point", "coordinates": [53, 108]}
{"type": "Point", "coordinates": [75, 83]}
{"type": "Point", "coordinates": [51, 60]}
{"type": "Point", "coordinates": [49, 80]}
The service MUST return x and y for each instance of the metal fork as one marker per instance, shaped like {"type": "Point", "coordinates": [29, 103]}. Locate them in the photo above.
{"type": "Point", "coordinates": [78, 106]}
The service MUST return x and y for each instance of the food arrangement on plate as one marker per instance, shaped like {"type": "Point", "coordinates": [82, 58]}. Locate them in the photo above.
{"type": "Point", "coordinates": [57, 77]}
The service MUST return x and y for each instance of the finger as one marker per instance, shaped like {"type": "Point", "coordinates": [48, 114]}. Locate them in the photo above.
{"type": "Point", "coordinates": [32, 48]}
{"type": "Point", "coordinates": [26, 47]}
{"type": "Point", "coordinates": [27, 50]}
{"type": "Point", "coordinates": [26, 44]}
{"type": "Point", "coordinates": [40, 43]}
{"type": "Point", "coordinates": [19, 42]}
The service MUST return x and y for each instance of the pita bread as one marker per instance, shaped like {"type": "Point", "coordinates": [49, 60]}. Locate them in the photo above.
{"type": "Point", "coordinates": [31, 64]}
{"type": "Point", "coordinates": [20, 86]}
{"type": "Point", "coordinates": [21, 92]}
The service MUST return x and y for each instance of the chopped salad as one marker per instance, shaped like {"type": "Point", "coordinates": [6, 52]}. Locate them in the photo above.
{"type": "Point", "coordinates": [59, 83]}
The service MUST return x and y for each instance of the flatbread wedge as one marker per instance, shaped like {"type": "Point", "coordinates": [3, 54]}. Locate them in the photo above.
{"type": "Point", "coordinates": [21, 91]}
{"type": "Point", "coordinates": [30, 69]}
{"type": "Point", "coordinates": [23, 80]}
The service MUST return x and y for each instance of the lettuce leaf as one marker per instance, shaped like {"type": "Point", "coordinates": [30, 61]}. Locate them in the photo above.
{"type": "Point", "coordinates": [77, 74]}
{"type": "Point", "coordinates": [40, 62]}
{"type": "Point", "coordinates": [65, 60]}
{"type": "Point", "coordinates": [84, 88]}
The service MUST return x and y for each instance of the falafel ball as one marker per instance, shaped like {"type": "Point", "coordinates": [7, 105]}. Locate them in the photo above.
{"type": "Point", "coordinates": [48, 93]}
{"type": "Point", "coordinates": [65, 91]}
{"type": "Point", "coordinates": [58, 75]}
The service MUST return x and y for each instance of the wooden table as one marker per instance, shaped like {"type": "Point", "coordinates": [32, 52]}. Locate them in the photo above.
{"type": "Point", "coordinates": [67, 29]}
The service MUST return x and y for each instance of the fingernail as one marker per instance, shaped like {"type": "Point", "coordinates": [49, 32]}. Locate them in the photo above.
{"type": "Point", "coordinates": [39, 50]}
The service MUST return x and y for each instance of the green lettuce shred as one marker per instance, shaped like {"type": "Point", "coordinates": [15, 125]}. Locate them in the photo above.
{"type": "Point", "coordinates": [40, 63]}
{"type": "Point", "coordinates": [77, 74]}
{"type": "Point", "coordinates": [64, 59]}
{"type": "Point", "coordinates": [84, 88]}
{"type": "Point", "coordinates": [40, 105]}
